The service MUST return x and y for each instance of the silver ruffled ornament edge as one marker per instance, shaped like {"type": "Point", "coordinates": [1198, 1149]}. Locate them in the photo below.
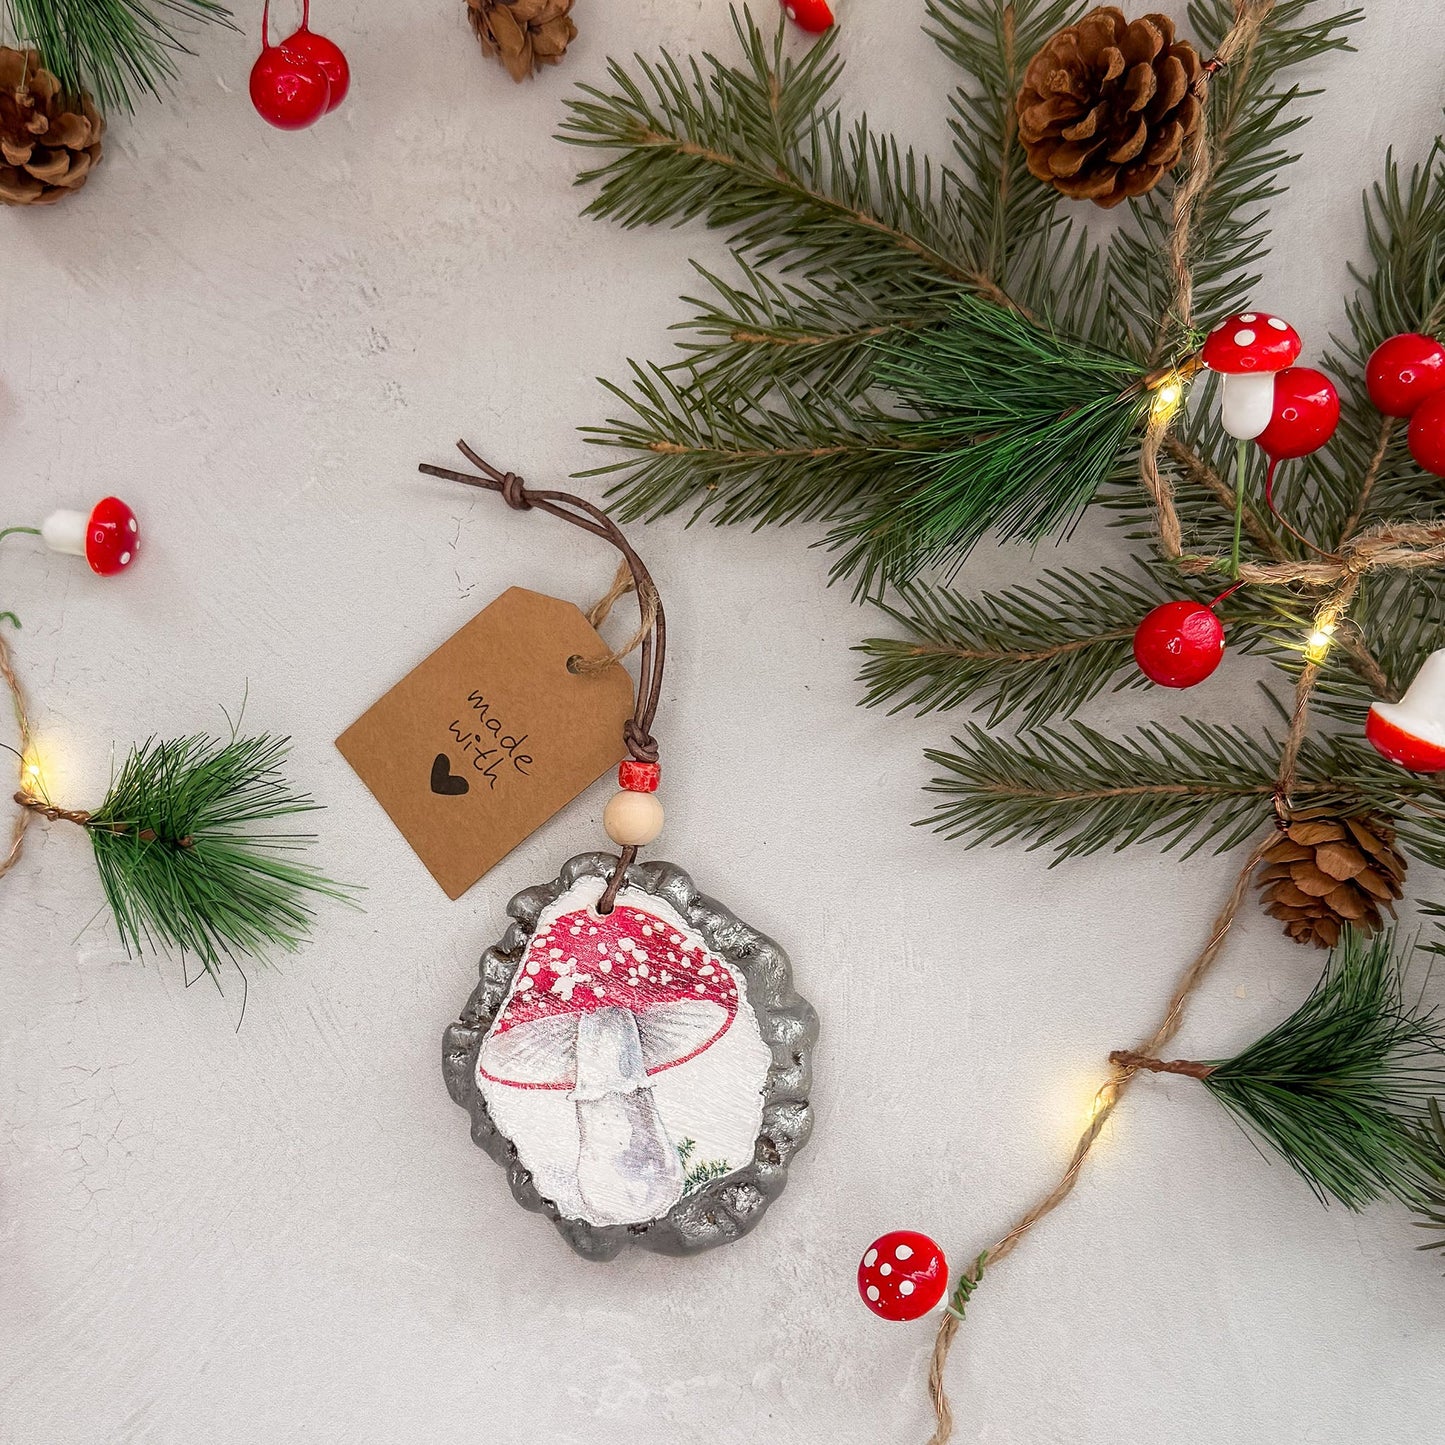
{"type": "Point", "coordinates": [724, 1209]}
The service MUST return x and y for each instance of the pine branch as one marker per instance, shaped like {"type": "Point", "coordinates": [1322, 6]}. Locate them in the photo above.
{"type": "Point", "coordinates": [1028, 655]}
{"type": "Point", "coordinates": [181, 863]}
{"type": "Point", "coordinates": [739, 457]}
{"type": "Point", "coordinates": [759, 149]}
{"type": "Point", "coordinates": [1079, 791]}
{"type": "Point", "coordinates": [1366, 474]}
{"type": "Point", "coordinates": [1339, 1089]}
{"type": "Point", "coordinates": [1006, 209]}
{"type": "Point", "coordinates": [1252, 115]}
{"type": "Point", "coordinates": [113, 48]}
{"type": "Point", "coordinates": [757, 333]}
{"type": "Point", "coordinates": [987, 453]}
{"type": "Point", "coordinates": [1431, 1208]}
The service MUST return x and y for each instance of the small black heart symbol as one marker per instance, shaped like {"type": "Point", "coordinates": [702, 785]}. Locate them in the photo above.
{"type": "Point", "coordinates": [444, 781]}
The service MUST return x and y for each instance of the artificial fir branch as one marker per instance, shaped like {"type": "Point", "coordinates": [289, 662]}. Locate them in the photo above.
{"type": "Point", "coordinates": [1031, 654]}
{"type": "Point", "coordinates": [1340, 1089]}
{"type": "Point", "coordinates": [113, 48]}
{"type": "Point", "coordinates": [181, 861]}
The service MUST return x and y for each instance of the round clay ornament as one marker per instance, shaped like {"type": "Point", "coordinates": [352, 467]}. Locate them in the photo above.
{"type": "Point", "coordinates": [1427, 434]}
{"type": "Point", "coordinates": [1179, 644]}
{"type": "Point", "coordinates": [902, 1276]}
{"type": "Point", "coordinates": [1404, 371]}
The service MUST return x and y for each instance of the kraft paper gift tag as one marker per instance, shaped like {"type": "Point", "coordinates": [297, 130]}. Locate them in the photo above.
{"type": "Point", "coordinates": [480, 744]}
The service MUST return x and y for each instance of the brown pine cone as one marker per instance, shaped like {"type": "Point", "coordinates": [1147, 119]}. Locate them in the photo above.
{"type": "Point", "coordinates": [527, 34]}
{"type": "Point", "coordinates": [1324, 872]}
{"type": "Point", "coordinates": [1107, 105]}
{"type": "Point", "coordinates": [47, 144]}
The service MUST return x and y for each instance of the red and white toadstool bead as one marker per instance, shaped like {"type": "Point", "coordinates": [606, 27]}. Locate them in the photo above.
{"type": "Point", "coordinates": [902, 1275]}
{"type": "Point", "coordinates": [108, 538]}
{"type": "Point", "coordinates": [1411, 732]}
{"type": "Point", "coordinates": [1248, 351]}
{"type": "Point", "coordinates": [814, 16]}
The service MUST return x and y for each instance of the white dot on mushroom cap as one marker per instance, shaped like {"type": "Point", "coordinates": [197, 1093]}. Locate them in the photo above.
{"type": "Point", "coordinates": [1249, 317]}
{"type": "Point", "coordinates": [873, 1293]}
{"type": "Point", "coordinates": [700, 987]}
{"type": "Point", "coordinates": [132, 525]}
{"type": "Point", "coordinates": [1245, 337]}
{"type": "Point", "coordinates": [885, 1268]}
{"type": "Point", "coordinates": [533, 966]}
{"type": "Point", "coordinates": [905, 1286]}
{"type": "Point", "coordinates": [870, 1259]}
{"type": "Point", "coordinates": [904, 1251]}
{"type": "Point", "coordinates": [1277, 324]}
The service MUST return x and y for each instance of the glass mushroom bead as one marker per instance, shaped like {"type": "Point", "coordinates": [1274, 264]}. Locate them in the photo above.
{"type": "Point", "coordinates": [902, 1275]}
{"type": "Point", "coordinates": [108, 538]}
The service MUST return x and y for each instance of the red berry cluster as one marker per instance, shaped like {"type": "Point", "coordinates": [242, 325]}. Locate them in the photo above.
{"type": "Point", "coordinates": [1406, 378]}
{"type": "Point", "coordinates": [295, 83]}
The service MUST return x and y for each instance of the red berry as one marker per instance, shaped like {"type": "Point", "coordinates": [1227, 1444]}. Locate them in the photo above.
{"type": "Point", "coordinates": [1427, 434]}
{"type": "Point", "coordinates": [1179, 644]}
{"type": "Point", "coordinates": [638, 777]}
{"type": "Point", "coordinates": [1403, 371]}
{"type": "Point", "coordinates": [902, 1275]}
{"type": "Point", "coordinates": [328, 55]}
{"type": "Point", "coordinates": [289, 91]}
{"type": "Point", "coordinates": [810, 15]}
{"type": "Point", "coordinates": [1306, 413]}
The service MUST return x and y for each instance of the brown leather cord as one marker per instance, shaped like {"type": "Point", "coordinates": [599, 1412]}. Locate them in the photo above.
{"type": "Point", "coordinates": [652, 634]}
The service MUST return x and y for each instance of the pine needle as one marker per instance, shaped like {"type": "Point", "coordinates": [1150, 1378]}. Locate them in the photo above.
{"type": "Point", "coordinates": [113, 48]}
{"type": "Point", "coordinates": [1340, 1088]}
{"type": "Point", "coordinates": [181, 862]}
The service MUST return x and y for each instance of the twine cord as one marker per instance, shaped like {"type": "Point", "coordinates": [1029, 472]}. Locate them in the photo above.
{"type": "Point", "coordinates": [1235, 49]}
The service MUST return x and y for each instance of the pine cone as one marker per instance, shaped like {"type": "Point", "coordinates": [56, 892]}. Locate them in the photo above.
{"type": "Point", "coordinates": [47, 146]}
{"type": "Point", "coordinates": [527, 34]}
{"type": "Point", "coordinates": [1107, 105]}
{"type": "Point", "coordinates": [1324, 872]}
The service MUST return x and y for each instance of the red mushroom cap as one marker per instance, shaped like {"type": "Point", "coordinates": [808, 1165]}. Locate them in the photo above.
{"type": "Point", "coordinates": [112, 537]}
{"type": "Point", "coordinates": [1385, 729]}
{"type": "Point", "coordinates": [902, 1275]}
{"type": "Point", "coordinates": [682, 996]}
{"type": "Point", "coordinates": [1251, 343]}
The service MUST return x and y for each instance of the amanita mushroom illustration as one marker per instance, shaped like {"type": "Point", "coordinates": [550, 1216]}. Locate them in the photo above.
{"type": "Point", "coordinates": [602, 1012]}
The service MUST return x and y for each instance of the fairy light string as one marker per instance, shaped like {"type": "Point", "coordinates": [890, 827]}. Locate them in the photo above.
{"type": "Point", "coordinates": [1339, 575]}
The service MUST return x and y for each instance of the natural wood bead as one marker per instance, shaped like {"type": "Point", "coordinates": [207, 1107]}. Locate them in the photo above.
{"type": "Point", "coordinates": [633, 819]}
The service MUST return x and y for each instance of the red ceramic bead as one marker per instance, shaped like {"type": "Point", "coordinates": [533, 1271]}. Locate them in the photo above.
{"type": "Point", "coordinates": [1179, 644]}
{"type": "Point", "coordinates": [1306, 413]}
{"type": "Point", "coordinates": [810, 15]}
{"type": "Point", "coordinates": [1404, 371]}
{"type": "Point", "coordinates": [902, 1275]}
{"type": "Point", "coordinates": [638, 777]}
{"type": "Point", "coordinates": [1427, 434]}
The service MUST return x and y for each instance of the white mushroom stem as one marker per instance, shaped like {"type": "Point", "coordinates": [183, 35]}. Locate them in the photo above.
{"type": "Point", "coordinates": [65, 532]}
{"type": "Point", "coordinates": [628, 1170]}
{"type": "Point", "coordinates": [1247, 404]}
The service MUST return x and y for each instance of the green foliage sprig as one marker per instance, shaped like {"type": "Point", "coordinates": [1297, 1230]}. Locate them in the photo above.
{"type": "Point", "coordinates": [113, 48]}
{"type": "Point", "coordinates": [1340, 1090]}
{"type": "Point", "coordinates": [183, 858]}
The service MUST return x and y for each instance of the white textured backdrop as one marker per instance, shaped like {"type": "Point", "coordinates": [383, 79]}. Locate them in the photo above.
{"type": "Point", "coordinates": [284, 1234]}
